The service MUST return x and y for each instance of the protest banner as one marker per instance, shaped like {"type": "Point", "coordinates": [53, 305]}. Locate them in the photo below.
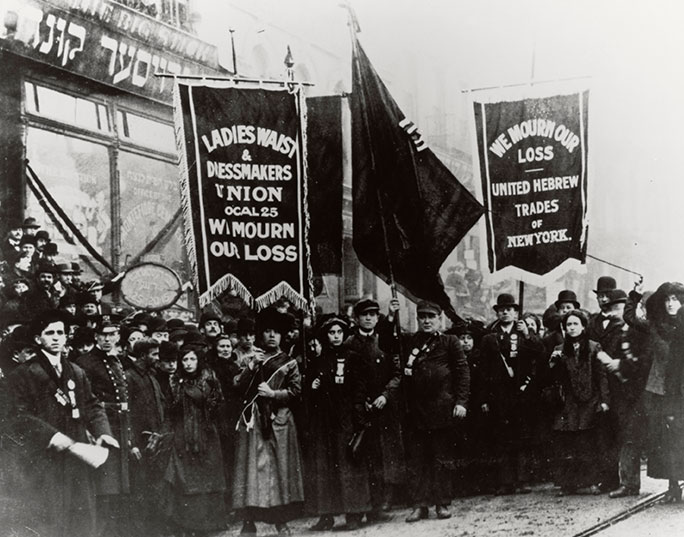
{"type": "Point", "coordinates": [243, 192]}
{"type": "Point", "coordinates": [533, 164]}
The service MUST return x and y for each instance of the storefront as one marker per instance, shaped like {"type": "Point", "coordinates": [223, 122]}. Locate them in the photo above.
{"type": "Point", "coordinates": [81, 103]}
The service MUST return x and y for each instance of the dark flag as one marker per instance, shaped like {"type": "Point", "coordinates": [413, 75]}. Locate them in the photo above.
{"type": "Point", "coordinates": [325, 162]}
{"type": "Point", "coordinates": [409, 210]}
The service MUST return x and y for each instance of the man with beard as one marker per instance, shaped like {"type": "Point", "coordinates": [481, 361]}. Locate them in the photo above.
{"type": "Point", "coordinates": [107, 377]}
{"type": "Point", "coordinates": [42, 297]}
{"type": "Point", "coordinates": [437, 386]}
{"type": "Point", "coordinates": [380, 375]}
{"type": "Point", "coordinates": [508, 355]}
{"type": "Point", "coordinates": [53, 406]}
{"type": "Point", "coordinates": [268, 482]}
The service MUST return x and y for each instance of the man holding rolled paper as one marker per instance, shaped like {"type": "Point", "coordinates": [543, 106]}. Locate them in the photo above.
{"type": "Point", "coordinates": [54, 410]}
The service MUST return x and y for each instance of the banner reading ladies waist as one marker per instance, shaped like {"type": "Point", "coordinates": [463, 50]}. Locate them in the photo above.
{"type": "Point", "coordinates": [242, 192]}
{"type": "Point", "coordinates": [533, 161]}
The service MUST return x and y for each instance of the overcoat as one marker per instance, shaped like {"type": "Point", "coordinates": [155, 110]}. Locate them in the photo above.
{"type": "Point", "coordinates": [195, 470]}
{"type": "Point", "coordinates": [268, 465]}
{"type": "Point", "coordinates": [62, 499]}
{"type": "Point", "coordinates": [380, 374]}
{"type": "Point", "coordinates": [439, 380]}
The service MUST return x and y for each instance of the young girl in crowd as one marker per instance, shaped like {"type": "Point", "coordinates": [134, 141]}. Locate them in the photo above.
{"type": "Point", "coordinates": [336, 482]}
{"type": "Point", "coordinates": [578, 373]}
{"type": "Point", "coordinates": [194, 478]}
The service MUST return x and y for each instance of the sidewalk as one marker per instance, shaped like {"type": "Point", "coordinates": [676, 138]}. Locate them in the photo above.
{"type": "Point", "coordinates": [540, 513]}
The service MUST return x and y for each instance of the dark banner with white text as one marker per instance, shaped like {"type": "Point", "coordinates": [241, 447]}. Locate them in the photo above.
{"type": "Point", "coordinates": [533, 164]}
{"type": "Point", "coordinates": [243, 192]}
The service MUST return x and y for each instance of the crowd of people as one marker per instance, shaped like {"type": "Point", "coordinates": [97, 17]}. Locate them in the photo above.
{"type": "Point", "coordinates": [267, 418]}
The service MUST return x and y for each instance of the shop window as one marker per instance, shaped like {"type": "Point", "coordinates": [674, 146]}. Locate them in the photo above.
{"type": "Point", "coordinates": [146, 132]}
{"type": "Point", "coordinates": [76, 174]}
{"type": "Point", "coordinates": [49, 103]}
{"type": "Point", "coordinates": [149, 199]}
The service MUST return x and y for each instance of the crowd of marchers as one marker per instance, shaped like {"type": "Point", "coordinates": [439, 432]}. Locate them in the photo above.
{"type": "Point", "coordinates": [270, 417]}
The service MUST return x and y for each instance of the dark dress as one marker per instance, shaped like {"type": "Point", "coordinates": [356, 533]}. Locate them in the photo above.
{"type": "Point", "coordinates": [584, 386]}
{"type": "Point", "coordinates": [194, 481]}
{"type": "Point", "coordinates": [334, 483]}
{"type": "Point", "coordinates": [61, 502]}
{"type": "Point", "coordinates": [226, 370]}
{"type": "Point", "coordinates": [661, 349]}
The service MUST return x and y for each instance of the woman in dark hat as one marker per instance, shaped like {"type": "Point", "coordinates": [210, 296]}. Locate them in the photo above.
{"type": "Point", "coordinates": [336, 482]}
{"type": "Point", "coordinates": [268, 471]}
{"type": "Point", "coordinates": [578, 372]}
{"type": "Point", "coordinates": [194, 481]}
{"type": "Point", "coordinates": [663, 350]}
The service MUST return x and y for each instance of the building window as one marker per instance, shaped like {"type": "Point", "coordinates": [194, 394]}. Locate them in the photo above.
{"type": "Point", "coordinates": [146, 132]}
{"type": "Point", "coordinates": [58, 106]}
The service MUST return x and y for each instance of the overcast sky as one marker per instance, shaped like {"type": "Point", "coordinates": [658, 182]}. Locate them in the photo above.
{"type": "Point", "coordinates": [631, 53]}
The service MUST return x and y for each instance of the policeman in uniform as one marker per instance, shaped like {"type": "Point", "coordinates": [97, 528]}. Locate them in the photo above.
{"type": "Point", "coordinates": [108, 380]}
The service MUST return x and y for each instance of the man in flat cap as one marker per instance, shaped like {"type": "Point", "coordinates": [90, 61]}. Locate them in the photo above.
{"type": "Point", "coordinates": [436, 386]}
{"type": "Point", "coordinates": [508, 357]}
{"type": "Point", "coordinates": [380, 371]}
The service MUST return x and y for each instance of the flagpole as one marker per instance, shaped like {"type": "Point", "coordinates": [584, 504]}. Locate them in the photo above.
{"type": "Point", "coordinates": [353, 30]}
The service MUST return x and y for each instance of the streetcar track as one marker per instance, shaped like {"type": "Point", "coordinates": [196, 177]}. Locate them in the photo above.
{"type": "Point", "coordinates": [642, 505]}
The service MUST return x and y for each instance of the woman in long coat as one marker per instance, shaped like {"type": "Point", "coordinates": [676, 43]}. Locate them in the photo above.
{"type": "Point", "coordinates": [578, 373]}
{"type": "Point", "coordinates": [664, 408]}
{"type": "Point", "coordinates": [336, 482]}
{"type": "Point", "coordinates": [268, 483]}
{"type": "Point", "coordinates": [194, 476]}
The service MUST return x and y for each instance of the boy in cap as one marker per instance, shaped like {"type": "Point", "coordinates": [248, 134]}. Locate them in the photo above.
{"type": "Point", "coordinates": [380, 370]}
{"type": "Point", "coordinates": [54, 407]}
{"type": "Point", "coordinates": [508, 355]}
{"type": "Point", "coordinates": [437, 387]}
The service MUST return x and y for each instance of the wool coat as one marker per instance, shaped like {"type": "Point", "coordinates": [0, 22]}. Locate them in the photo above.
{"type": "Point", "coordinates": [268, 464]}
{"type": "Point", "coordinates": [194, 474]}
{"type": "Point", "coordinates": [380, 374]}
{"type": "Point", "coordinates": [62, 491]}
{"type": "Point", "coordinates": [439, 380]}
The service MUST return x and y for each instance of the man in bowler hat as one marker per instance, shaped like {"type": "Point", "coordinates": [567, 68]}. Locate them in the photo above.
{"type": "Point", "coordinates": [508, 356]}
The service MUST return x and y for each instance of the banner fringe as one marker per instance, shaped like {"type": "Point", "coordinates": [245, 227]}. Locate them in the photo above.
{"type": "Point", "coordinates": [310, 305]}
{"type": "Point", "coordinates": [282, 289]}
{"type": "Point", "coordinates": [227, 281]}
{"type": "Point", "coordinates": [183, 183]}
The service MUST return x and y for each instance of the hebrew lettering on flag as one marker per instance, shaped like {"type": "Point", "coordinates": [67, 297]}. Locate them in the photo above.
{"type": "Point", "coordinates": [533, 164]}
